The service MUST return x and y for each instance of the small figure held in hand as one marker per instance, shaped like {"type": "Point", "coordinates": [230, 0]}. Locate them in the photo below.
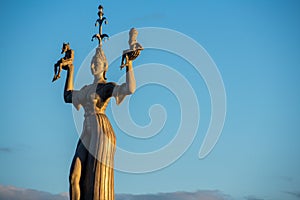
{"type": "Point", "coordinates": [64, 62]}
{"type": "Point", "coordinates": [134, 50]}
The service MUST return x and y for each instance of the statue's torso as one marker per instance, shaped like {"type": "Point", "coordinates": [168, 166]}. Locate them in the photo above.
{"type": "Point", "coordinates": [69, 53]}
{"type": "Point", "coordinates": [96, 98]}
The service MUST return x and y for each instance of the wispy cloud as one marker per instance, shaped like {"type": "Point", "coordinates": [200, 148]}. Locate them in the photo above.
{"type": "Point", "coordinates": [5, 149]}
{"type": "Point", "coordinates": [295, 194]}
{"type": "Point", "coordinates": [287, 178]}
{"type": "Point", "coordinates": [198, 195]}
{"type": "Point", "coordinates": [13, 193]}
{"type": "Point", "coordinates": [253, 198]}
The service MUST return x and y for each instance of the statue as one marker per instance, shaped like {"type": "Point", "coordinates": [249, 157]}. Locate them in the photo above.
{"type": "Point", "coordinates": [135, 48]}
{"type": "Point", "coordinates": [63, 62]}
{"type": "Point", "coordinates": [92, 172]}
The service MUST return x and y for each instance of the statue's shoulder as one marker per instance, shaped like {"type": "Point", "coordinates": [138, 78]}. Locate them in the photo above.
{"type": "Point", "coordinates": [84, 88]}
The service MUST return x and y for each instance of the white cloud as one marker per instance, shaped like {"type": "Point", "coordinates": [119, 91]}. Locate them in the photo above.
{"type": "Point", "coordinates": [13, 193]}
{"type": "Point", "coordinates": [199, 195]}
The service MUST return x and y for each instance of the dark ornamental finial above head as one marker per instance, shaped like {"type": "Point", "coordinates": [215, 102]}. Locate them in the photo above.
{"type": "Point", "coordinates": [100, 36]}
{"type": "Point", "coordinates": [100, 12]}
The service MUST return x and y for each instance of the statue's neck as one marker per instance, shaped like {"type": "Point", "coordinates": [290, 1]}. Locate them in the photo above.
{"type": "Point", "coordinates": [99, 78]}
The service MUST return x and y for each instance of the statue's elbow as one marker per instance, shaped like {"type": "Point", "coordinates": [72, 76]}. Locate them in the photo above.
{"type": "Point", "coordinates": [131, 90]}
{"type": "Point", "coordinates": [67, 97]}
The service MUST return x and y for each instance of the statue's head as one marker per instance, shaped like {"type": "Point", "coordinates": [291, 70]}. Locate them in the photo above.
{"type": "Point", "coordinates": [65, 47]}
{"type": "Point", "coordinates": [99, 63]}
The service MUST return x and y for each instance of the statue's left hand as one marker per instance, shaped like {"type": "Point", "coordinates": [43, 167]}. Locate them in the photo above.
{"type": "Point", "coordinates": [68, 67]}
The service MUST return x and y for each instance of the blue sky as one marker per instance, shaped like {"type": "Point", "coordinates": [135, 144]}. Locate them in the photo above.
{"type": "Point", "coordinates": [255, 45]}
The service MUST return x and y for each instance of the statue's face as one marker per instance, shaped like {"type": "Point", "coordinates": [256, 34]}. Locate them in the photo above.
{"type": "Point", "coordinates": [99, 63]}
{"type": "Point", "coordinates": [133, 36]}
{"type": "Point", "coordinates": [98, 68]}
{"type": "Point", "coordinates": [64, 48]}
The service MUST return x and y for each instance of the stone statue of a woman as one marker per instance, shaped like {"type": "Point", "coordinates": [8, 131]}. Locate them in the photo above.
{"type": "Point", "coordinates": [92, 173]}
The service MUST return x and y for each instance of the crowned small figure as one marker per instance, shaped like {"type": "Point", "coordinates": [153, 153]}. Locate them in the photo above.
{"type": "Point", "coordinates": [134, 50]}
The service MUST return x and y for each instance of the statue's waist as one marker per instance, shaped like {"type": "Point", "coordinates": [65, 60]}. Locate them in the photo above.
{"type": "Point", "coordinates": [91, 113]}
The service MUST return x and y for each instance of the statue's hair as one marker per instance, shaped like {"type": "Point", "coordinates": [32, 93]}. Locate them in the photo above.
{"type": "Point", "coordinates": [133, 30]}
{"type": "Point", "coordinates": [66, 44]}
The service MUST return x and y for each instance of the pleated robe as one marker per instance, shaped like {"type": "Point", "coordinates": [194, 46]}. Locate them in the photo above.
{"type": "Point", "coordinates": [96, 147]}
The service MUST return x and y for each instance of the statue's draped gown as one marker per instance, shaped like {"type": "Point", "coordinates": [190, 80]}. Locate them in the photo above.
{"type": "Point", "coordinates": [96, 146]}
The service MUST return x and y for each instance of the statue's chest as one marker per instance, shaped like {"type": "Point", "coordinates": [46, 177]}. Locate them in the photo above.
{"type": "Point", "coordinates": [93, 98]}
{"type": "Point", "coordinates": [68, 54]}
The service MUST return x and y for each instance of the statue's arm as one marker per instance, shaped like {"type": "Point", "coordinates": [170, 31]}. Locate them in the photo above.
{"type": "Point", "coordinates": [69, 85]}
{"type": "Point", "coordinates": [128, 88]}
{"type": "Point", "coordinates": [130, 80]}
